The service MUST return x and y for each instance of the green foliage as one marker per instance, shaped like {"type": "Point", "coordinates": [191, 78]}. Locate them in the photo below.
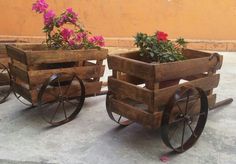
{"type": "Point", "coordinates": [159, 50]}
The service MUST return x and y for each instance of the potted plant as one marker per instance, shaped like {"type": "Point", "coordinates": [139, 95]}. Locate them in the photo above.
{"type": "Point", "coordinates": [158, 49]}
{"type": "Point", "coordinates": [68, 48]}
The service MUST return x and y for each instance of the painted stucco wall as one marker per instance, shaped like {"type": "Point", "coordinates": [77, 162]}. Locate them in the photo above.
{"type": "Point", "coordinates": [192, 19]}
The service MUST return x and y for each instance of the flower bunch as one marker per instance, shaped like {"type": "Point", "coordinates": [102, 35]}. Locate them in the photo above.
{"type": "Point", "coordinates": [59, 36]}
{"type": "Point", "coordinates": [157, 47]}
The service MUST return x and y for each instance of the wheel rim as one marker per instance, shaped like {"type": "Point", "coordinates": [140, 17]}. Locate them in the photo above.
{"type": "Point", "coordinates": [122, 121]}
{"type": "Point", "coordinates": [184, 118]}
{"type": "Point", "coordinates": [5, 83]}
{"type": "Point", "coordinates": [59, 100]}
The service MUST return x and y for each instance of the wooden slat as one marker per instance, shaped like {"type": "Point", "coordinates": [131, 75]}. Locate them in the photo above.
{"type": "Point", "coordinates": [211, 102]}
{"type": "Point", "coordinates": [4, 61]}
{"type": "Point", "coordinates": [132, 67]}
{"type": "Point", "coordinates": [3, 55]}
{"type": "Point", "coordinates": [57, 56]}
{"type": "Point", "coordinates": [17, 54]}
{"type": "Point", "coordinates": [125, 89]}
{"type": "Point", "coordinates": [190, 54]}
{"type": "Point", "coordinates": [24, 92]}
{"type": "Point", "coordinates": [4, 79]}
{"type": "Point", "coordinates": [162, 96]}
{"type": "Point", "coordinates": [132, 113]}
{"type": "Point", "coordinates": [131, 79]}
{"type": "Point", "coordinates": [90, 88]}
{"type": "Point", "coordinates": [37, 77]}
{"type": "Point", "coordinates": [181, 69]}
{"type": "Point", "coordinates": [16, 72]}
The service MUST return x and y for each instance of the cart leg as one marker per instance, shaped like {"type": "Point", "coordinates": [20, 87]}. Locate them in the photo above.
{"type": "Point", "coordinates": [221, 103]}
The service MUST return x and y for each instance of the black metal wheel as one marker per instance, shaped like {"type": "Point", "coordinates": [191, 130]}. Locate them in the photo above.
{"type": "Point", "coordinates": [184, 118]}
{"type": "Point", "coordinates": [22, 99]}
{"type": "Point", "coordinates": [61, 98]}
{"type": "Point", "coordinates": [5, 83]}
{"type": "Point", "coordinates": [122, 121]}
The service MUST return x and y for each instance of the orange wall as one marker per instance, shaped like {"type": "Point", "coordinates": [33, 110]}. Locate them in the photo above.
{"type": "Point", "coordinates": [192, 19]}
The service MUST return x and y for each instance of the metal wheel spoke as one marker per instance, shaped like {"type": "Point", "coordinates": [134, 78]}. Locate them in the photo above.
{"type": "Point", "coordinates": [3, 70]}
{"type": "Point", "coordinates": [59, 85]}
{"type": "Point", "coordinates": [186, 106]}
{"type": "Point", "coordinates": [52, 94]}
{"type": "Point", "coordinates": [71, 103]}
{"type": "Point", "coordinates": [68, 88]}
{"type": "Point", "coordinates": [192, 106]}
{"type": "Point", "coordinates": [179, 108]}
{"type": "Point", "coordinates": [63, 107]}
{"type": "Point", "coordinates": [54, 114]}
{"type": "Point", "coordinates": [119, 119]}
{"type": "Point", "coordinates": [170, 136]}
{"type": "Point", "coordinates": [178, 120]}
{"type": "Point", "coordinates": [182, 141]}
{"type": "Point", "coordinates": [191, 130]}
{"type": "Point", "coordinates": [198, 114]}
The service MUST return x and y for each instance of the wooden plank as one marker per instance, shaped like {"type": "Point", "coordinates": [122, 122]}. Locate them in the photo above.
{"type": "Point", "coordinates": [162, 96]}
{"type": "Point", "coordinates": [190, 54]}
{"type": "Point", "coordinates": [196, 109]}
{"type": "Point", "coordinates": [157, 122]}
{"type": "Point", "coordinates": [38, 77]}
{"type": "Point", "coordinates": [4, 79]}
{"type": "Point", "coordinates": [3, 55]}
{"type": "Point", "coordinates": [4, 61]}
{"type": "Point", "coordinates": [132, 67]}
{"type": "Point", "coordinates": [181, 69]}
{"type": "Point", "coordinates": [125, 89]}
{"type": "Point", "coordinates": [131, 79]}
{"type": "Point", "coordinates": [90, 89]}
{"type": "Point", "coordinates": [17, 54]}
{"type": "Point", "coordinates": [57, 56]}
{"type": "Point", "coordinates": [16, 72]}
{"type": "Point", "coordinates": [132, 113]}
{"type": "Point", "coordinates": [22, 91]}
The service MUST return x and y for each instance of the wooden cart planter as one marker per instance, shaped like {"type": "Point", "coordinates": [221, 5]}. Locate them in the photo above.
{"type": "Point", "coordinates": [4, 72]}
{"type": "Point", "coordinates": [56, 81]}
{"type": "Point", "coordinates": [149, 94]}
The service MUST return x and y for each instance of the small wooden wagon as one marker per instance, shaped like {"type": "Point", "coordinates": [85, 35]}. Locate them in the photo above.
{"type": "Point", "coordinates": [5, 89]}
{"type": "Point", "coordinates": [174, 96]}
{"type": "Point", "coordinates": [56, 81]}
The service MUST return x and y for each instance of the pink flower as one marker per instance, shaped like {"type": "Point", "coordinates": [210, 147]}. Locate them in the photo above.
{"type": "Point", "coordinates": [161, 36]}
{"type": "Point", "coordinates": [71, 16]}
{"type": "Point", "coordinates": [40, 6]}
{"type": "Point", "coordinates": [66, 34]}
{"type": "Point", "coordinates": [81, 36]}
{"type": "Point", "coordinates": [97, 40]}
{"type": "Point", "coordinates": [49, 17]}
{"type": "Point", "coordinates": [71, 42]}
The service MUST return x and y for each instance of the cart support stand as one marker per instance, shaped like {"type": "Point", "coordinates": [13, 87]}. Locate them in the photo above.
{"type": "Point", "coordinates": [221, 103]}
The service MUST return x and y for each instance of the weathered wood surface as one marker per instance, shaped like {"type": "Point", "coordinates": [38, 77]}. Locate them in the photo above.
{"type": "Point", "coordinates": [145, 118]}
{"type": "Point", "coordinates": [162, 96]}
{"type": "Point", "coordinates": [33, 56]}
{"type": "Point", "coordinates": [4, 61]}
{"type": "Point", "coordinates": [165, 71]}
{"type": "Point", "coordinates": [91, 88]}
{"type": "Point", "coordinates": [129, 72]}
{"type": "Point", "coordinates": [125, 89]}
{"type": "Point", "coordinates": [132, 67]}
{"type": "Point", "coordinates": [31, 65]}
{"type": "Point", "coordinates": [4, 79]}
